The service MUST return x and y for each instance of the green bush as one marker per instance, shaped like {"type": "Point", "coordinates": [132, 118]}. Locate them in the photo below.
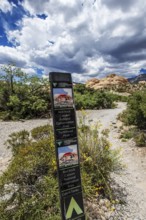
{"type": "Point", "coordinates": [18, 140]}
{"type": "Point", "coordinates": [97, 160]}
{"type": "Point", "coordinates": [86, 98]}
{"type": "Point", "coordinates": [3, 115]}
{"type": "Point", "coordinates": [140, 139]}
{"type": "Point", "coordinates": [135, 114]}
{"type": "Point", "coordinates": [116, 97]}
{"type": "Point", "coordinates": [30, 182]}
{"type": "Point", "coordinates": [136, 110]}
{"type": "Point", "coordinates": [128, 134]}
{"type": "Point", "coordinates": [41, 132]}
{"type": "Point", "coordinates": [21, 96]}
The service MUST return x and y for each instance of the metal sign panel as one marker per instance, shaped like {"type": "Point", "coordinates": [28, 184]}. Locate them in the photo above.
{"type": "Point", "coordinates": [66, 145]}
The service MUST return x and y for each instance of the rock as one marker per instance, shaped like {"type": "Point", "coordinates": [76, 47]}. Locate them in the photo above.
{"type": "Point", "coordinates": [101, 202]}
{"type": "Point", "coordinates": [107, 82]}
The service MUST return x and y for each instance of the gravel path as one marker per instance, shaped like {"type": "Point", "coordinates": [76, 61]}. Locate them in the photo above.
{"type": "Point", "coordinates": [132, 178]}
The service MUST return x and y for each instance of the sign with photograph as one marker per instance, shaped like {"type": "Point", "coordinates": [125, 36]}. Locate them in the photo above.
{"type": "Point", "coordinates": [66, 146]}
{"type": "Point", "coordinates": [68, 156]}
{"type": "Point", "coordinates": [62, 97]}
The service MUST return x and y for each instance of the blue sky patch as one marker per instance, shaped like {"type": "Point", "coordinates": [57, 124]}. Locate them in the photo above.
{"type": "Point", "coordinates": [143, 71]}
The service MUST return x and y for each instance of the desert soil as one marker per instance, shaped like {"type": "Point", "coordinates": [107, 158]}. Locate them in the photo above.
{"type": "Point", "coordinates": [132, 178]}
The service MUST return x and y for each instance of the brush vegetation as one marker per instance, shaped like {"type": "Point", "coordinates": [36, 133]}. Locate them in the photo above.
{"type": "Point", "coordinates": [135, 115]}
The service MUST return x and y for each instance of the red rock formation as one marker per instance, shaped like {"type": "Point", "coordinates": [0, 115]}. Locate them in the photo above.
{"type": "Point", "coordinates": [107, 82]}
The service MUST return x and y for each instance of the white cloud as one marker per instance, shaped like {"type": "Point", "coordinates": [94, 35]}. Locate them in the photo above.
{"type": "Point", "coordinates": [36, 7]}
{"type": "Point", "coordinates": [33, 34]}
{"type": "Point", "coordinates": [123, 30]}
{"type": "Point", "coordinates": [12, 55]}
{"type": "Point", "coordinates": [29, 71]}
{"type": "Point", "coordinates": [79, 78]}
{"type": "Point", "coordinates": [94, 64]}
{"type": "Point", "coordinates": [73, 148]}
{"type": "Point", "coordinates": [5, 6]}
{"type": "Point", "coordinates": [52, 7]}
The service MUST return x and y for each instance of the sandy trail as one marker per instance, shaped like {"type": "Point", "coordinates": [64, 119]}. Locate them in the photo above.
{"type": "Point", "coordinates": [133, 177]}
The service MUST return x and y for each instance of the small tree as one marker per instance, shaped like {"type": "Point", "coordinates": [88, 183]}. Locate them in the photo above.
{"type": "Point", "coordinates": [22, 96]}
{"type": "Point", "coordinates": [10, 73]}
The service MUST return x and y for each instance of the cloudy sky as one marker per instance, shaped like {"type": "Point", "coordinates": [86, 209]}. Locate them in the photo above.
{"type": "Point", "coordinates": [88, 38]}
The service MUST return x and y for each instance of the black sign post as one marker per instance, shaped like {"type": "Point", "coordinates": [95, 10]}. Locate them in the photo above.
{"type": "Point", "coordinates": [66, 144]}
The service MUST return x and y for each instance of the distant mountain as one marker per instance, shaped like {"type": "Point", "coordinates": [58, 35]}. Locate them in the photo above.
{"type": "Point", "coordinates": [137, 79]}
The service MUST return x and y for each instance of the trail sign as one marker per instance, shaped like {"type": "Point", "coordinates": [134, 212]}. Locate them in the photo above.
{"type": "Point", "coordinates": [66, 146]}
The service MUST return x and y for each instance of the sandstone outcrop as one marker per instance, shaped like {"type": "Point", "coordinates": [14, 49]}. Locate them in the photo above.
{"type": "Point", "coordinates": [110, 81]}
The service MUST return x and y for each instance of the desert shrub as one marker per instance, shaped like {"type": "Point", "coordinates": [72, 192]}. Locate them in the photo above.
{"type": "Point", "coordinates": [29, 187]}
{"type": "Point", "coordinates": [30, 182]}
{"type": "Point", "coordinates": [135, 114]}
{"type": "Point", "coordinates": [97, 159]}
{"type": "Point", "coordinates": [21, 96]}
{"type": "Point", "coordinates": [128, 134]}
{"type": "Point", "coordinates": [136, 110]}
{"type": "Point", "coordinates": [140, 139]}
{"type": "Point", "coordinates": [117, 97]}
{"type": "Point", "coordinates": [18, 140]}
{"type": "Point", "coordinates": [41, 132]}
{"type": "Point", "coordinates": [86, 98]}
{"type": "Point", "coordinates": [3, 115]}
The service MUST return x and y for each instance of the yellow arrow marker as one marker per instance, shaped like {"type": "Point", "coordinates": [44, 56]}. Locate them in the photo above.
{"type": "Point", "coordinates": [73, 206]}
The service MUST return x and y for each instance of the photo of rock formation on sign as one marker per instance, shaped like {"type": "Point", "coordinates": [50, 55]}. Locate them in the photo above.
{"type": "Point", "coordinates": [68, 155]}
{"type": "Point", "coordinates": [62, 97]}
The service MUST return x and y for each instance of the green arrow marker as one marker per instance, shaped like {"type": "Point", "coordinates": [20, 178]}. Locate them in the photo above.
{"type": "Point", "coordinates": [73, 206]}
{"type": "Point", "coordinates": [54, 84]}
{"type": "Point", "coordinates": [59, 143]}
